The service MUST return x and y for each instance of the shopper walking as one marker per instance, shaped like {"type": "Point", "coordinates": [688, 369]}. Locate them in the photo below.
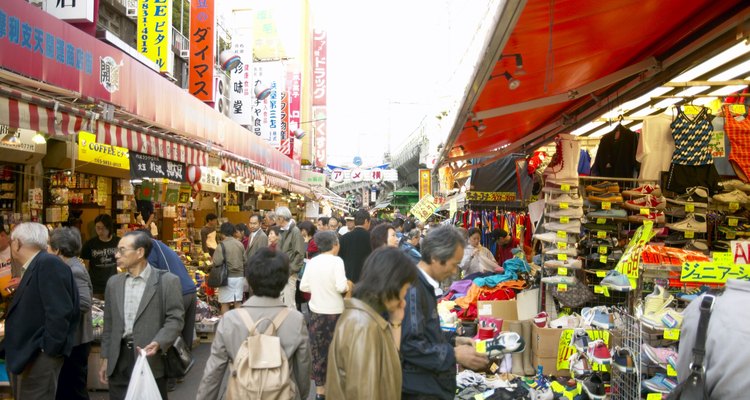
{"type": "Point", "coordinates": [293, 246]}
{"type": "Point", "coordinates": [409, 244]}
{"type": "Point", "coordinates": [325, 280]}
{"type": "Point", "coordinates": [274, 237]}
{"type": "Point", "coordinates": [143, 310]}
{"type": "Point", "coordinates": [322, 223]}
{"type": "Point", "coordinates": [208, 234]}
{"type": "Point", "coordinates": [267, 274]}
{"type": "Point", "coordinates": [99, 254]}
{"type": "Point", "coordinates": [242, 233]}
{"type": "Point", "coordinates": [333, 225]}
{"type": "Point", "coordinates": [71, 383]}
{"type": "Point", "coordinates": [374, 373]}
{"type": "Point", "coordinates": [429, 358]}
{"type": "Point", "coordinates": [42, 319]}
{"type": "Point", "coordinates": [383, 235]}
{"type": "Point", "coordinates": [269, 221]}
{"type": "Point", "coordinates": [258, 239]}
{"type": "Point", "coordinates": [355, 246]}
{"type": "Point", "coordinates": [232, 252]}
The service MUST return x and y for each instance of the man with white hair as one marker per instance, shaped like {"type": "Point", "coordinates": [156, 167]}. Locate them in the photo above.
{"type": "Point", "coordinates": [294, 247]}
{"type": "Point", "coordinates": [42, 319]}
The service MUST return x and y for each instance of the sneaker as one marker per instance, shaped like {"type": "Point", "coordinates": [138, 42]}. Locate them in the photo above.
{"type": "Point", "coordinates": [580, 340]}
{"type": "Point", "coordinates": [541, 394]}
{"type": "Point", "coordinates": [594, 387]}
{"type": "Point", "coordinates": [691, 223]}
{"type": "Point", "coordinates": [567, 322]}
{"type": "Point", "coordinates": [565, 198]}
{"type": "Point", "coordinates": [659, 383]}
{"type": "Point", "coordinates": [642, 190]}
{"type": "Point", "coordinates": [603, 187]}
{"type": "Point", "coordinates": [676, 239]}
{"type": "Point", "coordinates": [551, 237]}
{"type": "Point", "coordinates": [735, 184]}
{"type": "Point", "coordinates": [698, 245]}
{"type": "Point", "coordinates": [735, 196]}
{"type": "Point", "coordinates": [567, 389]}
{"type": "Point", "coordinates": [570, 264]}
{"type": "Point", "coordinates": [570, 251]}
{"type": "Point", "coordinates": [657, 217]}
{"type": "Point", "coordinates": [572, 212]}
{"type": "Point", "coordinates": [612, 197]}
{"type": "Point", "coordinates": [592, 226]}
{"type": "Point", "coordinates": [598, 317]}
{"type": "Point", "coordinates": [541, 319]}
{"type": "Point", "coordinates": [697, 196]}
{"type": "Point", "coordinates": [657, 300]}
{"type": "Point", "coordinates": [570, 227]}
{"type": "Point", "coordinates": [569, 280]}
{"type": "Point", "coordinates": [505, 343]}
{"type": "Point", "coordinates": [666, 318]}
{"type": "Point", "coordinates": [579, 364]}
{"type": "Point", "coordinates": [692, 293]}
{"type": "Point", "coordinates": [617, 281]}
{"type": "Point", "coordinates": [647, 201]}
{"type": "Point", "coordinates": [658, 355]}
{"type": "Point", "coordinates": [676, 211]}
{"type": "Point", "coordinates": [624, 360]}
{"type": "Point", "coordinates": [554, 188]}
{"type": "Point", "coordinates": [609, 214]}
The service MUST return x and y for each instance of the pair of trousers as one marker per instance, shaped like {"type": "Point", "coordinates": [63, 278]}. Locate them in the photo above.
{"type": "Point", "coordinates": [188, 302]}
{"type": "Point", "coordinates": [38, 381]}
{"type": "Point", "coordinates": [288, 294]}
{"type": "Point", "coordinates": [120, 378]}
{"type": "Point", "coordinates": [73, 379]}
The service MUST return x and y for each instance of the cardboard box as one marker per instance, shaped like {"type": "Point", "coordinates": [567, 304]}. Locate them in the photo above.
{"type": "Point", "coordinates": [507, 310]}
{"type": "Point", "coordinates": [545, 341]}
{"type": "Point", "coordinates": [549, 366]}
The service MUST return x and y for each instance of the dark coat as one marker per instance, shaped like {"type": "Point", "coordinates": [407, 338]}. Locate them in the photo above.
{"type": "Point", "coordinates": [355, 248]}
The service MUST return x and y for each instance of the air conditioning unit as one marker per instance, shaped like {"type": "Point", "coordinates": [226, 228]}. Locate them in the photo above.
{"type": "Point", "coordinates": [185, 54]}
{"type": "Point", "coordinates": [221, 98]}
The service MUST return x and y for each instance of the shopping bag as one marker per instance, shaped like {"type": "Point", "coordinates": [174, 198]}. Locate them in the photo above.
{"type": "Point", "coordinates": [142, 384]}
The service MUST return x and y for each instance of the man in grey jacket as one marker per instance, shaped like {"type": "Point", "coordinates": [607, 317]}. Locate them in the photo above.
{"type": "Point", "coordinates": [143, 310]}
{"type": "Point", "coordinates": [293, 246]}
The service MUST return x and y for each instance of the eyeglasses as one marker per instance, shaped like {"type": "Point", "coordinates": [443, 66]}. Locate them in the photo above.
{"type": "Point", "coordinates": [121, 250]}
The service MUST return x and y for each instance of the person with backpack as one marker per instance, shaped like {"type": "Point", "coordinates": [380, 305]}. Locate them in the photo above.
{"type": "Point", "coordinates": [263, 332]}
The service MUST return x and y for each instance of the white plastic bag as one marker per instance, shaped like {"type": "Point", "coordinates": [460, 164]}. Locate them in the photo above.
{"type": "Point", "coordinates": [142, 384]}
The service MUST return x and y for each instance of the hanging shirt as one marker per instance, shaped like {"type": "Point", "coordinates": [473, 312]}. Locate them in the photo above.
{"type": "Point", "coordinates": [616, 155]}
{"type": "Point", "coordinates": [723, 167]}
{"type": "Point", "coordinates": [584, 163]}
{"type": "Point", "coordinates": [655, 147]}
{"type": "Point", "coordinates": [691, 138]}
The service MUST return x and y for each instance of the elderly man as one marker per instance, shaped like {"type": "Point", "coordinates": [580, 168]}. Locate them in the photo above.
{"type": "Point", "coordinates": [143, 310]}
{"type": "Point", "coordinates": [294, 247]}
{"type": "Point", "coordinates": [333, 224]}
{"type": "Point", "coordinates": [42, 320]}
{"type": "Point", "coordinates": [322, 224]}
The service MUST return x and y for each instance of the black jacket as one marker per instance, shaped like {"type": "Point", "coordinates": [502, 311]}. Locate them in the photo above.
{"type": "Point", "coordinates": [43, 315]}
{"type": "Point", "coordinates": [355, 248]}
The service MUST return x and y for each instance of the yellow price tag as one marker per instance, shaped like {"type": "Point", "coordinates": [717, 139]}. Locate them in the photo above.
{"type": "Point", "coordinates": [598, 289]}
{"type": "Point", "coordinates": [606, 205]}
{"type": "Point", "coordinates": [645, 211]}
{"type": "Point", "coordinates": [562, 245]}
{"type": "Point", "coordinates": [654, 396]}
{"type": "Point", "coordinates": [481, 346]}
{"type": "Point", "coordinates": [480, 396]}
{"type": "Point", "coordinates": [672, 334]}
{"type": "Point", "coordinates": [562, 257]}
{"type": "Point", "coordinates": [601, 234]}
{"type": "Point", "coordinates": [734, 206]}
{"type": "Point", "coordinates": [689, 234]}
{"type": "Point", "coordinates": [601, 274]}
{"type": "Point", "coordinates": [562, 234]}
{"type": "Point", "coordinates": [691, 110]}
{"type": "Point", "coordinates": [601, 221]}
{"type": "Point", "coordinates": [562, 287]}
{"type": "Point", "coordinates": [733, 221]}
{"type": "Point", "coordinates": [565, 187]}
{"type": "Point", "coordinates": [564, 220]}
{"type": "Point", "coordinates": [605, 291]}
{"type": "Point", "coordinates": [602, 249]}
{"type": "Point", "coordinates": [563, 206]}
{"type": "Point", "coordinates": [670, 370]}
{"type": "Point", "coordinates": [738, 108]}
{"type": "Point", "coordinates": [562, 271]}
{"type": "Point", "coordinates": [731, 235]}
{"type": "Point", "coordinates": [603, 259]}
{"type": "Point", "coordinates": [690, 207]}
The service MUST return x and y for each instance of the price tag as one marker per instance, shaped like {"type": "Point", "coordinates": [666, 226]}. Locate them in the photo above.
{"type": "Point", "coordinates": [652, 396]}
{"type": "Point", "coordinates": [738, 108]}
{"type": "Point", "coordinates": [670, 370]}
{"type": "Point", "coordinates": [731, 235]}
{"type": "Point", "coordinates": [601, 274]}
{"type": "Point", "coordinates": [563, 206]}
{"type": "Point", "coordinates": [481, 346]}
{"type": "Point", "coordinates": [733, 221]}
{"type": "Point", "coordinates": [565, 187]}
{"type": "Point", "coordinates": [605, 291]}
{"type": "Point", "coordinates": [606, 205]}
{"type": "Point", "coordinates": [672, 334]}
{"type": "Point", "coordinates": [602, 249]}
{"type": "Point", "coordinates": [564, 220]}
{"type": "Point", "coordinates": [601, 234]}
{"type": "Point", "coordinates": [562, 234]}
{"type": "Point", "coordinates": [645, 211]}
{"type": "Point", "coordinates": [603, 259]}
{"type": "Point", "coordinates": [689, 234]}
{"type": "Point", "coordinates": [494, 368]}
{"type": "Point", "coordinates": [601, 221]}
{"type": "Point", "coordinates": [598, 289]}
{"type": "Point", "coordinates": [689, 207]}
{"type": "Point", "coordinates": [562, 257]}
{"type": "Point", "coordinates": [734, 206]}
{"type": "Point", "coordinates": [562, 271]}
{"type": "Point", "coordinates": [480, 396]}
{"type": "Point", "coordinates": [562, 287]}
{"type": "Point", "coordinates": [562, 245]}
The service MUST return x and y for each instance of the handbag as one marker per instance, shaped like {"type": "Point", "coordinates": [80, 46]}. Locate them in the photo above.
{"type": "Point", "coordinates": [577, 295]}
{"type": "Point", "coordinates": [694, 386]}
{"type": "Point", "coordinates": [219, 275]}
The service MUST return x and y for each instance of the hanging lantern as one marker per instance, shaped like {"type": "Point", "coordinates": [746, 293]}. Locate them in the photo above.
{"type": "Point", "coordinates": [193, 174]}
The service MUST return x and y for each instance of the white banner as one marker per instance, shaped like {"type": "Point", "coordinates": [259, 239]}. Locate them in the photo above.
{"type": "Point", "coordinates": [71, 10]}
{"type": "Point", "coordinates": [367, 175]}
{"type": "Point", "coordinates": [267, 113]}
{"type": "Point", "coordinates": [241, 93]}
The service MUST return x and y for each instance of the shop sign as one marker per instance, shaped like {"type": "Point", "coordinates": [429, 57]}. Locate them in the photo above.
{"type": "Point", "coordinates": [367, 175]}
{"type": "Point", "coordinates": [565, 350]}
{"type": "Point", "coordinates": [267, 112]}
{"type": "Point", "coordinates": [631, 258]}
{"type": "Point", "coordinates": [313, 178]}
{"type": "Point", "coordinates": [146, 166]}
{"type": "Point", "coordinates": [99, 153]}
{"type": "Point", "coordinates": [212, 180]}
{"type": "Point", "coordinates": [267, 42]}
{"type": "Point", "coordinates": [425, 182]}
{"type": "Point", "coordinates": [713, 272]}
{"type": "Point", "coordinates": [424, 208]}
{"type": "Point", "coordinates": [202, 33]}
{"type": "Point", "coordinates": [240, 82]}
{"type": "Point", "coordinates": [494, 197]}
{"type": "Point", "coordinates": [154, 37]}
{"type": "Point", "coordinates": [321, 138]}
{"type": "Point", "coordinates": [71, 10]}
{"type": "Point", "coordinates": [241, 187]}
{"type": "Point", "coordinates": [740, 252]}
{"type": "Point", "coordinates": [294, 89]}
{"type": "Point", "coordinates": [320, 63]}
{"type": "Point", "coordinates": [25, 140]}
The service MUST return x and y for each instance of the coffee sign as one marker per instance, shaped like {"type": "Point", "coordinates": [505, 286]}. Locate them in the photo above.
{"type": "Point", "coordinates": [146, 166]}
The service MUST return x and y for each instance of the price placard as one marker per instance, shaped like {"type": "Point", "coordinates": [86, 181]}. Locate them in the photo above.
{"type": "Point", "coordinates": [562, 245]}
{"type": "Point", "coordinates": [562, 271]}
{"type": "Point", "coordinates": [654, 396]}
{"type": "Point", "coordinates": [562, 257]}
{"type": "Point", "coordinates": [564, 220]}
{"type": "Point", "coordinates": [562, 287]}
{"type": "Point", "coordinates": [672, 334]}
{"type": "Point", "coordinates": [606, 205]}
{"type": "Point", "coordinates": [602, 249]}
{"type": "Point", "coordinates": [733, 221]}
{"type": "Point", "coordinates": [563, 206]}
{"type": "Point", "coordinates": [601, 274]}
{"type": "Point", "coordinates": [690, 207]}
{"type": "Point", "coordinates": [670, 370]}
{"type": "Point", "coordinates": [731, 235]}
{"type": "Point", "coordinates": [481, 346]}
{"type": "Point", "coordinates": [601, 234]}
{"type": "Point", "coordinates": [601, 221]}
{"type": "Point", "coordinates": [645, 211]}
{"type": "Point", "coordinates": [689, 234]}
{"type": "Point", "coordinates": [598, 289]}
{"type": "Point", "coordinates": [562, 234]}
{"type": "Point", "coordinates": [565, 187]}
{"type": "Point", "coordinates": [734, 206]}
{"type": "Point", "coordinates": [605, 291]}
{"type": "Point", "coordinates": [603, 259]}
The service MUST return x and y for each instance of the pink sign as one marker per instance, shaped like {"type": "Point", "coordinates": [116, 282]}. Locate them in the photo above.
{"type": "Point", "coordinates": [320, 62]}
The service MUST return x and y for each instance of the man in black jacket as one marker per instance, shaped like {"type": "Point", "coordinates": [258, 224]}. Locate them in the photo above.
{"type": "Point", "coordinates": [355, 246]}
{"type": "Point", "coordinates": [429, 356]}
{"type": "Point", "coordinates": [43, 317]}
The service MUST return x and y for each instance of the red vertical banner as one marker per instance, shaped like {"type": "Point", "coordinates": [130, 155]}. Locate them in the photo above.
{"type": "Point", "coordinates": [294, 88]}
{"type": "Point", "coordinates": [202, 35]}
{"type": "Point", "coordinates": [320, 62]}
{"type": "Point", "coordinates": [321, 141]}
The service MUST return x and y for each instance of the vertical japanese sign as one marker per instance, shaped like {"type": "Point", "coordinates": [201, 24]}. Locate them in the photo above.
{"type": "Point", "coordinates": [320, 71]}
{"type": "Point", "coordinates": [321, 141]}
{"type": "Point", "coordinates": [202, 35]}
{"type": "Point", "coordinates": [267, 112]}
{"type": "Point", "coordinates": [425, 182]}
{"type": "Point", "coordinates": [240, 84]}
{"type": "Point", "coordinates": [294, 88]}
{"type": "Point", "coordinates": [154, 38]}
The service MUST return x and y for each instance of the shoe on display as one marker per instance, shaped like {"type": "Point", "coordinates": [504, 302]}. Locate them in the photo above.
{"type": "Point", "coordinates": [658, 355]}
{"type": "Point", "coordinates": [552, 237]}
{"type": "Point", "coordinates": [624, 360]}
{"type": "Point", "coordinates": [570, 251]}
{"type": "Point", "coordinates": [604, 187]}
{"type": "Point", "coordinates": [567, 322]}
{"type": "Point", "coordinates": [505, 343]}
{"type": "Point", "coordinates": [567, 199]}
{"type": "Point", "coordinates": [568, 389]}
{"type": "Point", "coordinates": [611, 197]}
{"type": "Point", "coordinates": [594, 242]}
{"type": "Point", "coordinates": [568, 280]}
{"type": "Point", "coordinates": [579, 364]}
{"type": "Point", "coordinates": [735, 184]}
{"type": "Point", "coordinates": [554, 188]}
{"type": "Point", "coordinates": [580, 339]}
{"type": "Point", "coordinates": [698, 245]}
{"type": "Point", "coordinates": [666, 318]}
{"type": "Point", "coordinates": [609, 214]}
{"type": "Point", "coordinates": [592, 226]}
{"type": "Point", "coordinates": [676, 239]}
{"type": "Point", "coordinates": [721, 246]}
{"type": "Point", "coordinates": [570, 227]}
{"type": "Point", "coordinates": [572, 212]}
{"type": "Point", "coordinates": [617, 281]}
{"type": "Point", "coordinates": [659, 383]}
{"type": "Point", "coordinates": [542, 394]}
{"type": "Point", "coordinates": [690, 223]}
{"type": "Point", "coordinates": [697, 196]}
{"type": "Point", "coordinates": [569, 264]}
{"type": "Point", "coordinates": [657, 217]}
{"type": "Point", "coordinates": [594, 387]}
{"type": "Point", "coordinates": [735, 196]}
{"type": "Point", "coordinates": [657, 300]}
{"type": "Point", "coordinates": [676, 211]}
{"type": "Point", "coordinates": [647, 201]}
{"type": "Point", "coordinates": [642, 190]}
{"type": "Point", "coordinates": [541, 319]}
{"type": "Point", "coordinates": [598, 317]}
{"type": "Point", "coordinates": [692, 293]}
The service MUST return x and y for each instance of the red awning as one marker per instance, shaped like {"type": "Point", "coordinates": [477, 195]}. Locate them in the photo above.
{"type": "Point", "coordinates": [580, 43]}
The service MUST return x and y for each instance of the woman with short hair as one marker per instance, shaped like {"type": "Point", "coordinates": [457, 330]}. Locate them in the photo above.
{"type": "Point", "coordinates": [383, 235]}
{"type": "Point", "coordinates": [231, 251]}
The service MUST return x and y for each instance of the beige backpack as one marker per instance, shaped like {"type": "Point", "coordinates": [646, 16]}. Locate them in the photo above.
{"type": "Point", "coordinates": [260, 369]}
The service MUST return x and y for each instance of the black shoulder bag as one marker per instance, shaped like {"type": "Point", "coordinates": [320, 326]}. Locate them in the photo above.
{"type": "Point", "coordinates": [219, 274]}
{"type": "Point", "coordinates": [178, 360]}
{"type": "Point", "coordinates": [694, 386]}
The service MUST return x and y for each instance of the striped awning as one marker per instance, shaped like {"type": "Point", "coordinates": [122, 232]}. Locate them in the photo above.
{"type": "Point", "coordinates": [18, 113]}
{"type": "Point", "coordinates": [244, 169]}
{"type": "Point", "coordinates": [140, 142]}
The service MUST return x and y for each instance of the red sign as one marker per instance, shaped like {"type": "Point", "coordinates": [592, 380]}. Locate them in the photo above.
{"type": "Point", "coordinates": [320, 72]}
{"type": "Point", "coordinates": [202, 34]}
{"type": "Point", "coordinates": [321, 141]}
{"type": "Point", "coordinates": [294, 88]}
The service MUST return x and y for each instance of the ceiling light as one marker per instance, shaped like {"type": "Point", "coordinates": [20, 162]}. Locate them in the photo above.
{"type": "Point", "coordinates": [714, 62]}
{"type": "Point", "coordinates": [520, 71]}
{"type": "Point", "coordinates": [38, 138]}
{"type": "Point", "coordinates": [10, 138]}
{"type": "Point", "coordinates": [480, 128]}
{"type": "Point", "coordinates": [513, 83]}
{"type": "Point", "coordinates": [591, 125]}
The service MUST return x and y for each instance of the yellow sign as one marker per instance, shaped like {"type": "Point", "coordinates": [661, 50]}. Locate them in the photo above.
{"type": "Point", "coordinates": [713, 272]}
{"type": "Point", "coordinates": [672, 334]}
{"type": "Point", "coordinates": [424, 209]}
{"type": "Point", "coordinates": [565, 350]}
{"type": "Point", "coordinates": [494, 197]}
{"type": "Point", "coordinates": [562, 287]}
{"type": "Point", "coordinates": [562, 271]}
{"type": "Point", "coordinates": [631, 257]}
{"type": "Point", "coordinates": [601, 274]}
{"type": "Point", "coordinates": [565, 187]}
{"type": "Point", "coordinates": [563, 206]}
{"type": "Point", "coordinates": [425, 182]}
{"type": "Point", "coordinates": [154, 36]}
{"type": "Point", "coordinates": [102, 154]}
{"type": "Point", "coordinates": [562, 257]}
{"type": "Point", "coordinates": [564, 220]}
{"type": "Point", "coordinates": [606, 205]}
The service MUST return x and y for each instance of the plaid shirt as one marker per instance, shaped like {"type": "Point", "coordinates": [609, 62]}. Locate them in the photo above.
{"type": "Point", "coordinates": [134, 288]}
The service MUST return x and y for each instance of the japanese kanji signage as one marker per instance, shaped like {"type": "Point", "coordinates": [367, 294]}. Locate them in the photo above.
{"type": "Point", "coordinates": [321, 140]}
{"type": "Point", "coordinates": [424, 208]}
{"type": "Point", "coordinates": [267, 112]}
{"type": "Point", "coordinates": [267, 45]}
{"type": "Point", "coordinates": [631, 257]}
{"type": "Point", "coordinates": [368, 175]}
{"type": "Point", "coordinates": [241, 97]}
{"type": "Point", "coordinates": [320, 71]}
{"type": "Point", "coordinates": [71, 10]}
{"type": "Point", "coordinates": [212, 180]}
{"type": "Point", "coordinates": [713, 272]}
{"type": "Point", "coordinates": [202, 35]}
{"type": "Point", "coordinates": [146, 166]}
{"type": "Point", "coordinates": [425, 182]}
{"type": "Point", "coordinates": [313, 178]}
{"type": "Point", "coordinates": [294, 90]}
{"type": "Point", "coordinates": [101, 154]}
{"type": "Point", "coordinates": [495, 197]}
{"type": "Point", "coordinates": [154, 38]}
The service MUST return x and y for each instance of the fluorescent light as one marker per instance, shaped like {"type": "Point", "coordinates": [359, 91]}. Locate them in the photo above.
{"type": "Point", "coordinates": [666, 103]}
{"type": "Point", "coordinates": [602, 132]}
{"type": "Point", "coordinates": [693, 91]}
{"type": "Point", "coordinates": [727, 90]}
{"type": "Point", "coordinates": [635, 127]}
{"type": "Point", "coordinates": [644, 112]}
{"type": "Point", "coordinates": [733, 72]}
{"type": "Point", "coordinates": [585, 128]}
{"type": "Point", "coordinates": [714, 62]}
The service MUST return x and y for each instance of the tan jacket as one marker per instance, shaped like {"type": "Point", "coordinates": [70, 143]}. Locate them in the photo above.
{"type": "Point", "coordinates": [363, 362]}
{"type": "Point", "coordinates": [235, 257]}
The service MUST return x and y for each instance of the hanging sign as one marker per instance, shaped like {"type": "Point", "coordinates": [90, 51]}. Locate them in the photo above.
{"type": "Point", "coordinates": [71, 10]}
{"type": "Point", "coordinates": [146, 166]}
{"type": "Point", "coordinates": [320, 128]}
{"type": "Point", "coordinates": [424, 208]}
{"type": "Point", "coordinates": [425, 182]}
{"type": "Point", "coordinates": [240, 82]}
{"type": "Point", "coordinates": [241, 187]}
{"type": "Point", "coordinates": [713, 272]}
{"type": "Point", "coordinates": [212, 180]}
{"type": "Point", "coordinates": [495, 197]}
{"type": "Point", "coordinates": [267, 112]}
{"type": "Point", "coordinates": [154, 38]}
{"type": "Point", "coordinates": [320, 64]}
{"type": "Point", "coordinates": [202, 34]}
{"type": "Point", "coordinates": [631, 257]}
{"type": "Point", "coordinates": [102, 154]}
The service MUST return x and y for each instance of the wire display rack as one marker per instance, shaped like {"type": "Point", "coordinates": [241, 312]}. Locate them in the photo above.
{"type": "Point", "coordinates": [626, 386]}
